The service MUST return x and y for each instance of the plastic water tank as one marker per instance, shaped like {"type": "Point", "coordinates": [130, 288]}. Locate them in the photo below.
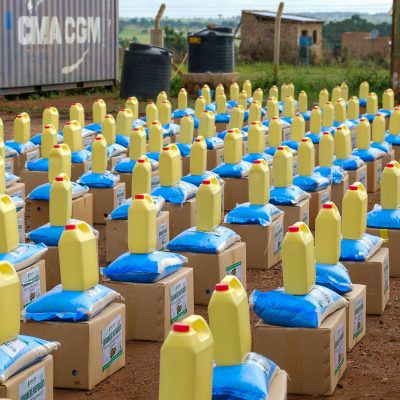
{"type": "Point", "coordinates": [211, 50]}
{"type": "Point", "coordinates": [146, 71]}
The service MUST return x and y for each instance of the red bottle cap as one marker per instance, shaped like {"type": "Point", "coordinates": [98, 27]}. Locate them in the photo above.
{"type": "Point", "coordinates": [98, 138]}
{"type": "Point", "coordinates": [197, 140]}
{"type": "Point", "coordinates": [139, 196]}
{"type": "Point", "coordinates": [230, 131]}
{"type": "Point", "coordinates": [304, 140]}
{"type": "Point", "coordinates": [141, 161]}
{"type": "Point", "coordinates": [56, 146]}
{"type": "Point", "coordinates": [136, 129]}
{"type": "Point", "coordinates": [390, 165]}
{"type": "Point", "coordinates": [107, 116]}
{"type": "Point", "coordinates": [47, 126]}
{"type": "Point", "coordinates": [254, 123]}
{"type": "Point", "coordinates": [328, 205]}
{"type": "Point", "coordinates": [122, 109]}
{"type": "Point", "coordinates": [165, 148]}
{"type": "Point", "coordinates": [257, 162]}
{"type": "Point", "coordinates": [221, 287]}
{"type": "Point", "coordinates": [68, 123]}
{"type": "Point", "coordinates": [353, 187]}
{"type": "Point", "coordinates": [70, 227]}
{"type": "Point", "coordinates": [326, 133]}
{"type": "Point", "coordinates": [281, 148]}
{"type": "Point", "coordinates": [206, 182]}
{"type": "Point", "coordinates": [181, 328]}
{"type": "Point", "coordinates": [293, 229]}
{"type": "Point", "coordinates": [59, 178]}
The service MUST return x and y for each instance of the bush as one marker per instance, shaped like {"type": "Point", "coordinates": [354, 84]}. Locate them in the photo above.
{"type": "Point", "coordinates": [176, 86]}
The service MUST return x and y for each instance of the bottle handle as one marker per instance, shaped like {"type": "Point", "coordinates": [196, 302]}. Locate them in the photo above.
{"type": "Point", "coordinates": [199, 325]}
{"type": "Point", "coordinates": [6, 199]}
{"type": "Point", "coordinates": [360, 186]}
{"type": "Point", "coordinates": [233, 282]}
{"type": "Point", "coordinates": [7, 271]}
{"type": "Point", "coordinates": [303, 227]}
{"type": "Point", "coordinates": [84, 227]}
{"type": "Point", "coordinates": [65, 147]}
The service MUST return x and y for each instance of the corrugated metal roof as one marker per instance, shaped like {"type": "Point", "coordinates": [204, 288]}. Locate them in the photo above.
{"type": "Point", "coordinates": [288, 17]}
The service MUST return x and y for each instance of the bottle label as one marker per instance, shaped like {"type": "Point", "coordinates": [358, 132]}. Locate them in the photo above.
{"type": "Point", "coordinates": [325, 197]}
{"type": "Point", "coordinates": [358, 317]}
{"type": "Point", "coordinates": [294, 166]}
{"type": "Point", "coordinates": [305, 217]}
{"type": "Point", "coordinates": [155, 181]}
{"type": "Point", "coordinates": [278, 237]}
{"type": "Point", "coordinates": [378, 172]}
{"type": "Point", "coordinates": [259, 361]}
{"type": "Point", "coordinates": [236, 270]}
{"type": "Point", "coordinates": [323, 298]}
{"type": "Point", "coordinates": [30, 282]}
{"type": "Point", "coordinates": [93, 292]}
{"type": "Point", "coordinates": [9, 165]}
{"type": "Point", "coordinates": [363, 176]}
{"type": "Point", "coordinates": [21, 228]}
{"type": "Point", "coordinates": [34, 387]}
{"type": "Point", "coordinates": [111, 339]}
{"type": "Point", "coordinates": [178, 296]}
{"type": "Point", "coordinates": [162, 235]}
{"type": "Point", "coordinates": [120, 195]}
{"type": "Point", "coordinates": [33, 155]}
{"type": "Point", "coordinates": [18, 252]}
{"type": "Point", "coordinates": [339, 348]}
{"type": "Point", "coordinates": [13, 347]}
{"type": "Point", "coordinates": [87, 141]}
{"type": "Point", "coordinates": [385, 275]}
{"type": "Point", "coordinates": [353, 139]}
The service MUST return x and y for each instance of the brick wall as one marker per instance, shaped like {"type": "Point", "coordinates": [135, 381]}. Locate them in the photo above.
{"type": "Point", "coordinates": [359, 45]}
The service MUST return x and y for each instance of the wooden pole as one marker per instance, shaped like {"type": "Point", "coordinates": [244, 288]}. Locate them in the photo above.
{"type": "Point", "coordinates": [277, 41]}
{"type": "Point", "coordinates": [157, 34]}
{"type": "Point", "coordinates": [395, 53]}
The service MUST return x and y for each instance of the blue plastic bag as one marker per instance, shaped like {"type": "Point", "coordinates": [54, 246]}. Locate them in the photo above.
{"type": "Point", "coordinates": [144, 268]}
{"type": "Point", "coordinates": [21, 148]}
{"type": "Point", "coordinates": [349, 164]}
{"type": "Point", "coordinates": [253, 214]}
{"type": "Point", "coordinates": [214, 143]}
{"type": "Point", "coordinates": [11, 178]}
{"type": "Point", "coordinates": [247, 381]}
{"type": "Point", "coordinates": [41, 164]}
{"type": "Point", "coordinates": [349, 123]}
{"type": "Point", "coordinates": [287, 196]}
{"type": "Point", "coordinates": [126, 165]}
{"type": "Point", "coordinates": [181, 113]}
{"type": "Point", "coordinates": [68, 305]}
{"type": "Point", "coordinates": [177, 194]}
{"type": "Point", "coordinates": [24, 255]}
{"type": "Point", "coordinates": [368, 155]}
{"type": "Point", "coordinates": [313, 183]}
{"type": "Point", "coordinates": [384, 146]}
{"type": "Point", "coordinates": [24, 351]}
{"type": "Point", "coordinates": [81, 156]}
{"type": "Point", "coordinates": [291, 144]}
{"type": "Point", "coordinates": [394, 140]}
{"type": "Point", "coordinates": [238, 170]}
{"type": "Point", "coordinates": [272, 150]}
{"type": "Point", "coordinates": [94, 127]}
{"type": "Point", "coordinates": [306, 115]}
{"type": "Point", "coordinates": [122, 140]}
{"type": "Point", "coordinates": [334, 277]}
{"type": "Point", "coordinates": [307, 311]}
{"type": "Point", "coordinates": [380, 218]}
{"type": "Point", "coordinates": [334, 173]}
{"type": "Point", "coordinates": [42, 192]}
{"type": "Point", "coordinates": [222, 118]}
{"type": "Point", "coordinates": [18, 202]}
{"type": "Point", "coordinates": [361, 249]}
{"type": "Point", "coordinates": [184, 149]}
{"type": "Point", "coordinates": [194, 241]}
{"type": "Point", "coordinates": [121, 212]}
{"type": "Point", "coordinates": [196, 180]}
{"type": "Point", "coordinates": [37, 139]}
{"type": "Point", "coordinates": [251, 157]}
{"type": "Point", "coordinates": [94, 180]}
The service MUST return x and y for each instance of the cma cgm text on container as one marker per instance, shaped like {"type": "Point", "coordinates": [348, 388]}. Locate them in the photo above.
{"type": "Point", "coordinates": [56, 44]}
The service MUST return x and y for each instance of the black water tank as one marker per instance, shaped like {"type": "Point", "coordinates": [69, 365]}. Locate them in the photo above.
{"type": "Point", "coordinates": [146, 71]}
{"type": "Point", "coordinates": [211, 50]}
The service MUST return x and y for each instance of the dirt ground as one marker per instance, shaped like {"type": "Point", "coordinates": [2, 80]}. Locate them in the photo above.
{"type": "Point", "coordinates": [373, 369]}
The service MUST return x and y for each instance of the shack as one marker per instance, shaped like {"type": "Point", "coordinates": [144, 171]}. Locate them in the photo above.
{"type": "Point", "coordinates": [365, 45]}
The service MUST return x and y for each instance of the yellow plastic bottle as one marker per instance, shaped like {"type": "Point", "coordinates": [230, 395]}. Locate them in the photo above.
{"type": "Point", "coordinates": [182, 99]}
{"type": "Point", "coordinates": [315, 120]}
{"type": "Point", "coordinates": [59, 161]}
{"type": "Point", "coordinates": [170, 164]}
{"type": "Point", "coordinates": [137, 143]}
{"type": "Point", "coordinates": [289, 108]}
{"type": "Point", "coordinates": [109, 129]}
{"type": "Point", "coordinates": [2, 173]}
{"type": "Point", "coordinates": [258, 95]}
{"type": "Point", "coordinates": [99, 155]}
{"type": "Point", "coordinates": [1, 129]}
{"type": "Point", "coordinates": [164, 112]}
{"type": "Point", "coordinates": [275, 132]}
{"type": "Point", "coordinates": [162, 96]}
{"type": "Point", "coordinates": [259, 183]}
{"type": "Point", "coordinates": [198, 156]}
{"type": "Point", "coordinates": [99, 111]}
{"type": "Point", "coordinates": [290, 89]}
{"type": "Point", "coordinates": [390, 186]}
{"type": "Point", "coordinates": [186, 361]}
{"type": "Point", "coordinates": [298, 261]}
{"type": "Point", "coordinates": [73, 135]}
{"type": "Point", "coordinates": [234, 91]}
{"type": "Point", "coordinates": [219, 89]}
{"type": "Point", "coordinates": [336, 94]}
{"type": "Point", "coordinates": [328, 114]}
{"type": "Point", "coordinates": [2, 150]}
{"type": "Point", "coordinates": [353, 109]}
{"type": "Point", "coordinates": [344, 90]}
{"type": "Point", "coordinates": [124, 121]}
{"type": "Point", "coordinates": [363, 134]}
{"type": "Point", "coordinates": [207, 124]}
{"type": "Point", "coordinates": [283, 167]}
{"type": "Point", "coordinates": [303, 102]}
{"type": "Point", "coordinates": [388, 99]}
{"type": "Point", "coordinates": [9, 302]}
{"type": "Point", "coordinates": [50, 116]}
{"type": "Point", "coordinates": [233, 146]}
{"type": "Point", "coordinates": [60, 207]}
{"type": "Point", "coordinates": [284, 91]}
{"type": "Point", "coordinates": [151, 113]}
{"type": "Point", "coordinates": [142, 224]}
{"type": "Point", "coordinates": [372, 103]}
{"type": "Point", "coordinates": [49, 139]}
{"type": "Point", "coordinates": [394, 122]}
{"type": "Point", "coordinates": [340, 110]}
{"type": "Point", "coordinates": [364, 90]}
{"type": "Point", "coordinates": [354, 210]}
{"type": "Point", "coordinates": [237, 118]}
{"type": "Point", "coordinates": [9, 237]}
{"type": "Point", "coordinates": [155, 137]}
{"type": "Point", "coordinates": [77, 250]}
{"type": "Point", "coordinates": [22, 128]}
{"type": "Point", "coordinates": [272, 108]}
{"type": "Point", "coordinates": [133, 104]}
{"type": "Point", "coordinates": [326, 151]}
{"type": "Point", "coordinates": [186, 131]}
{"type": "Point", "coordinates": [208, 205]}
{"type": "Point", "coordinates": [199, 106]}
{"type": "Point", "coordinates": [247, 87]}
{"type": "Point", "coordinates": [77, 113]}
{"type": "Point", "coordinates": [274, 92]}
{"type": "Point", "coordinates": [221, 103]}
{"type": "Point", "coordinates": [342, 142]}
{"type": "Point", "coordinates": [378, 129]}
{"type": "Point", "coordinates": [256, 137]}
{"type": "Point", "coordinates": [141, 177]}
{"type": "Point", "coordinates": [229, 317]}
{"type": "Point", "coordinates": [323, 97]}
{"type": "Point", "coordinates": [243, 99]}
{"type": "Point", "coordinates": [206, 93]}
{"type": "Point", "coordinates": [328, 232]}
{"type": "Point", "coordinates": [254, 111]}
{"type": "Point", "coordinates": [306, 157]}
{"type": "Point", "coordinates": [298, 128]}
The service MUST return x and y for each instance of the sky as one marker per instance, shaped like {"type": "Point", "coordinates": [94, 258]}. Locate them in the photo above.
{"type": "Point", "coordinates": [209, 8]}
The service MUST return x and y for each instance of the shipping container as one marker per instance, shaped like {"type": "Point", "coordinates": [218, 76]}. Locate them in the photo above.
{"type": "Point", "coordinates": [57, 44]}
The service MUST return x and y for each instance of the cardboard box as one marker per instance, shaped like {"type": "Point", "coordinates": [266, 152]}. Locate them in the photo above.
{"type": "Point", "coordinates": [315, 359]}
{"type": "Point", "coordinates": [17, 189]}
{"type": "Point", "coordinates": [263, 243]}
{"type": "Point", "coordinates": [22, 158]}
{"type": "Point", "coordinates": [374, 273]}
{"type": "Point", "coordinates": [90, 351]}
{"type": "Point", "coordinates": [127, 179]}
{"type": "Point", "coordinates": [21, 225]}
{"type": "Point", "coordinates": [214, 158]}
{"type": "Point", "coordinates": [105, 200]}
{"type": "Point", "coordinates": [278, 386]}
{"type": "Point", "coordinates": [33, 179]}
{"type": "Point", "coordinates": [151, 308]}
{"type": "Point", "coordinates": [338, 190]}
{"type": "Point", "coordinates": [117, 235]}
{"type": "Point", "coordinates": [9, 164]}
{"type": "Point", "coordinates": [236, 192]}
{"type": "Point", "coordinates": [296, 213]}
{"type": "Point", "coordinates": [82, 210]}
{"type": "Point", "coordinates": [181, 217]}
{"type": "Point", "coordinates": [387, 158]}
{"type": "Point", "coordinates": [113, 161]}
{"type": "Point", "coordinates": [210, 269]}
{"type": "Point", "coordinates": [316, 201]}
{"type": "Point", "coordinates": [34, 382]}
{"type": "Point", "coordinates": [359, 175]}
{"type": "Point", "coordinates": [356, 315]}
{"type": "Point", "coordinates": [396, 152]}
{"type": "Point", "coordinates": [88, 138]}
{"type": "Point", "coordinates": [78, 169]}
{"type": "Point", "coordinates": [374, 172]}
{"type": "Point", "coordinates": [221, 126]}
{"type": "Point", "coordinates": [33, 282]}
{"type": "Point", "coordinates": [391, 240]}
{"type": "Point", "coordinates": [185, 165]}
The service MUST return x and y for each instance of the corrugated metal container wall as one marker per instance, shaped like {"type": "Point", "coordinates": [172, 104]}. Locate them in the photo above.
{"type": "Point", "coordinates": [57, 42]}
